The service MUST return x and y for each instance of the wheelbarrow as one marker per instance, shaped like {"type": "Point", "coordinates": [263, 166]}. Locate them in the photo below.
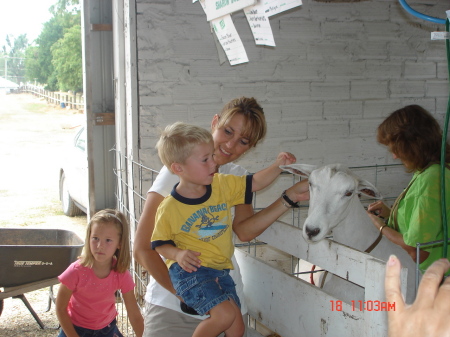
{"type": "Point", "coordinates": [32, 259]}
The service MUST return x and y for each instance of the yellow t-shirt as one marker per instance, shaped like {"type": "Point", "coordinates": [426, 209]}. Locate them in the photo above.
{"type": "Point", "coordinates": [204, 224]}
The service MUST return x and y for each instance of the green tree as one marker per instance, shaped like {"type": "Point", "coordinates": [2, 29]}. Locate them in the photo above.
{"type": "Point", "coordinates": [14, 52]}
{"type": "Point", "coordinates": [67, 60]}
{"type": "Point", "coordinates": [40, 65]}
{"type": "Point", "coordinates": [52, 31]}
{"type": "Point", "coordinates": [32, 69]}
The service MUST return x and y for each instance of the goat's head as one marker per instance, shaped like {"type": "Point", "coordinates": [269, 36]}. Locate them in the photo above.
{"type": "Point", "coordinates": [333, 188]}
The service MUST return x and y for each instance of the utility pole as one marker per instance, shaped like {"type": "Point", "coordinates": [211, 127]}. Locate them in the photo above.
{"type": "Point", "coordinates": [6, 63]}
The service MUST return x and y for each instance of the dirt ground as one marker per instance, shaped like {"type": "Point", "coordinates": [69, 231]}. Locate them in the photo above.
{"type": "Point", "coordinates": [33, 134]}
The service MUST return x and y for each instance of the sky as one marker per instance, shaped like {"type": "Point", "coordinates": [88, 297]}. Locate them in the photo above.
{"type": "Point", "coordinates": [23, 17]}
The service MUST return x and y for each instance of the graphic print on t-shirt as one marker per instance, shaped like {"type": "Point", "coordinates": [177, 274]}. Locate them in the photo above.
{"type": "Point", "coordinates": [205, 222]}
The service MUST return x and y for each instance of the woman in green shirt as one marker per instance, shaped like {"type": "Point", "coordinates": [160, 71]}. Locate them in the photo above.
{"type": "Point", "coordinates": [414, 136]}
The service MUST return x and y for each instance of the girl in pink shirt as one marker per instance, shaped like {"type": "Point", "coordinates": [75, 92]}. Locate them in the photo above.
{"type": "Point", "coordinates": [86, 302]}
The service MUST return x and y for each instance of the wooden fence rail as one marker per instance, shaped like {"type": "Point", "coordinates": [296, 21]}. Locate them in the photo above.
{"type": "Point", "coordinates": [70, 100]}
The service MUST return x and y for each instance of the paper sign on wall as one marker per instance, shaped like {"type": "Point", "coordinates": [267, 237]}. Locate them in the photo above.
{"type": "Point", "coordinates": [277, 6]}
{"type": "Point", "coordinates": [259, 24]}
{"type": "Point", "coordinates": [230, 40]}
{"type": "Point", "coordinates": [203, 4]}
{"type": "Point", "coordinates": [217, 8]}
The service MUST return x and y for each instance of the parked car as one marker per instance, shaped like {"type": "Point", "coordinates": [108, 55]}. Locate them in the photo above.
{"type": "Point", "coordinates": [73, 177]}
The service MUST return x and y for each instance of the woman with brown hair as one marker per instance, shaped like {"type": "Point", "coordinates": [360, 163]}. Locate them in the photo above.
{"type": "Point", "coordinates": [240, 126]}
{"type": "Point", "coordinates": [414, 136]}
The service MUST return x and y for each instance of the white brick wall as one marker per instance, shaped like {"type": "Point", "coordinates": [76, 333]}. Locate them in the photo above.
{"type": "Point", "coordinates": [337, 70]}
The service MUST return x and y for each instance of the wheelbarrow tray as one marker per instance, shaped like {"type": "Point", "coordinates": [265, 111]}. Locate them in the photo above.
{"type": "Point", "coordinates": [31, 255]}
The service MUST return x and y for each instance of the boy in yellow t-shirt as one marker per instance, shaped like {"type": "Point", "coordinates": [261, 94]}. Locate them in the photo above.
{"type": "Point", "coordinates": [193, 228]}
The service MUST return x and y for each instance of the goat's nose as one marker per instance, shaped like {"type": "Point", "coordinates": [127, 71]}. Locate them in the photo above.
{"type": "Point", "coordinates": [312, 232]}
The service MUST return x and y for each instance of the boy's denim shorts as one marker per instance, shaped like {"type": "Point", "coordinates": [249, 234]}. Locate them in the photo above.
{"type": "Point", "coordinates": [200, 290]}
{"type": "Point", "coordinates": [111, 330]}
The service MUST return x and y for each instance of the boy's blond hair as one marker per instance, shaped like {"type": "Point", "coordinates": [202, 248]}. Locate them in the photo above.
{"type": "Point", "coordinates": [177, 141]}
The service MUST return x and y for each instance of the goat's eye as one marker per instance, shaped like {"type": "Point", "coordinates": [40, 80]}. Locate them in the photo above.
{"type": "Point", "coordinates": [348, 193]}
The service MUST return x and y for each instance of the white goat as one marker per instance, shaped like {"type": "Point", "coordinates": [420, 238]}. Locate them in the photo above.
{"type": "Point", "coordinates": [335, 206]}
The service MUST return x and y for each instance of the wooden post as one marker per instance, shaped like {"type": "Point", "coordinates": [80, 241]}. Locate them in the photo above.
{"type": "Point", "coordinates": [74, 100]}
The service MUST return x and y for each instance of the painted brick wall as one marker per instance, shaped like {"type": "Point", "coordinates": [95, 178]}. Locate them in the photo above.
{"type": "Point", "coordinates": [338, 69]}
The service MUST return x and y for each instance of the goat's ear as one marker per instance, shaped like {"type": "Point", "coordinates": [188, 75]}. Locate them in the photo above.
{"type": "Point", "coordinates": [303, 170]}
{"type": "Point", "coordinates": [366, 188]}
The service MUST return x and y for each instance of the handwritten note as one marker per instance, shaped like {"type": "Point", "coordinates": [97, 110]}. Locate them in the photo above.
{"type": "Point", "coordinates": [259, 24]}
{"type": "Point", "coordinates": [273, 7]}
{"type": "Point", "coordinates": [229, 39]}
{"type": "Point", "coordinates": [218, 8]}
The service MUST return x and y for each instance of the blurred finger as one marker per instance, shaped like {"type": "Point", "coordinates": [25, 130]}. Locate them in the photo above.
{"type": "Point", "coordinates": [442, 301]}
{"type": "Point", "coordinates": [443, 297]}
{"type": "Point", "coordinates": [429, 285]}
{"type": "Point", "coordinates": [392, 283]}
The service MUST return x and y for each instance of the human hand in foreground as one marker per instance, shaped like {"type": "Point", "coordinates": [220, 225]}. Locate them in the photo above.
{"type": "Point", "coordinates": [429, 314]}
{"type": "Point", "coordinates": [188, 260]}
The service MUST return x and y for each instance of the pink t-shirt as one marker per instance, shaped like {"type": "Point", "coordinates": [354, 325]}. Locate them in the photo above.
{"type": "Point", "coordinates": [93, 303]}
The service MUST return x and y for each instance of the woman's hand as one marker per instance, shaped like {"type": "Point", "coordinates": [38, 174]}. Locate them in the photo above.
{"type": "Point", "coordinates": [299, 191]}
{"type": "Point", "coordinates": [377, 222]}
{"type": "Point", "coordinates": [429, 314]}
{"type": "Point", "coordinates": [380, 209]}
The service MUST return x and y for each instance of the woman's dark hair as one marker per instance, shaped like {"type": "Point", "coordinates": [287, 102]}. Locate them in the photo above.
{"type": "Point", "coordinates": [414, 136]}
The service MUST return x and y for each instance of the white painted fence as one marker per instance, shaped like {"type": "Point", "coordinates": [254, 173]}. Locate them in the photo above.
{"type": "Point", "coordinates": [284, 303]}
{"type": "Point", "coordinates": [292, 307]}
{"type": "Point", "coordinates": [70, 100]}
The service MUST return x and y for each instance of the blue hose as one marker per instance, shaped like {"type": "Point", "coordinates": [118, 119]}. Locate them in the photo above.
{"type": "Point", "coordinates": [420, 15]}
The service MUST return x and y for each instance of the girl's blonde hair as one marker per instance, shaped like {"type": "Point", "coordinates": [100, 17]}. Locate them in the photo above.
{"type": "Point", "coordinates": [177, 141]}
{"type": "Point", "coordinates": [122, 255]}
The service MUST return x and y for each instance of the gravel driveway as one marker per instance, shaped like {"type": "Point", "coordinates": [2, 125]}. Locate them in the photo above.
{"type": "Point", "coordinates": [33, 135]}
